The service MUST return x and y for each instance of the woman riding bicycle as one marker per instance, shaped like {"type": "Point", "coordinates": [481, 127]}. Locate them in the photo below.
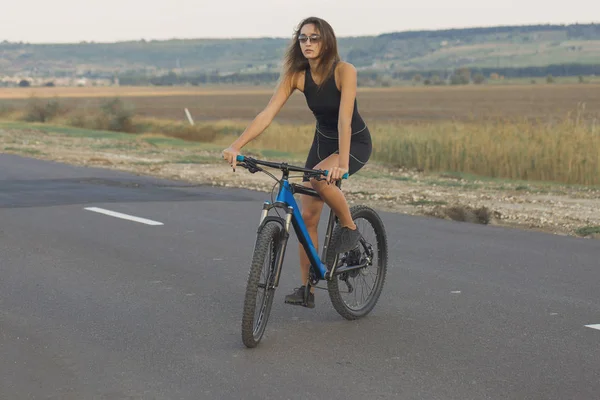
{"type": "Point", "coordinates": [342, 141]}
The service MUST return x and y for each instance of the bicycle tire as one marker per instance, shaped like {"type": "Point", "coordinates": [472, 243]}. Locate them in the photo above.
{"type": "Point", "coordinates": [266, 247]}
{"type": "Point", "coordinates": [333, 285]}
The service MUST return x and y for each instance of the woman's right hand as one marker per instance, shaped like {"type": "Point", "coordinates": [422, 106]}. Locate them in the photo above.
{"type": "Point", "coordinates": [230, 154]}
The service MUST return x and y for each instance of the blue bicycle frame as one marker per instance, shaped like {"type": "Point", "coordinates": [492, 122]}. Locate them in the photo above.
{"type": "Point", "coordinates": [286, 201]}
{"type": "Point", "coordinates": [286, 198]}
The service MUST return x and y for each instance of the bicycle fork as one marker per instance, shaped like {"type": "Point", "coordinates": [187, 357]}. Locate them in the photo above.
{"type": "Point", "coordinates": [282, 245]}
{"type": "Point", "coordinates": [282, 240]}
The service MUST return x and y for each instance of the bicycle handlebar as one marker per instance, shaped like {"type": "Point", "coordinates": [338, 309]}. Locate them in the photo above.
{"type": "Point", "coordinates": [241, 158]}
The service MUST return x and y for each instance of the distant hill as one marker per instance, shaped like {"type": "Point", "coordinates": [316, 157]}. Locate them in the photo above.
{"type": "Point", "coordinates": [495, 47]}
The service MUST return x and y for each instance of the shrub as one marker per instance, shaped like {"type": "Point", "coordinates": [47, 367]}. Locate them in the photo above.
{"type": "Point", "coordinates": [6, 109]}
{"type": "Point", "coordinates": [478, 78]}
{"type": "Point", "coordinates": [115, 116]}
{"type": "Point", "coordinates": [38, 110]}
{"type": "Point", "coordinates": [193, 133]}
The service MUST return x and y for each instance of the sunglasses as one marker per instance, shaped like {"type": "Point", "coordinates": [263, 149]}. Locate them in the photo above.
{"type": "Point", "coordinates": [313, 38]}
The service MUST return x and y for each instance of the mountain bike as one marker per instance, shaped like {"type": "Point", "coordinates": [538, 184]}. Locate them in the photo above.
{"type": "Point", "coordinates": [354, 279]}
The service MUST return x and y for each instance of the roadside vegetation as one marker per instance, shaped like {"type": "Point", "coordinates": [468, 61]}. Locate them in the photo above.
{"type": "Point", "coordinates": [563, 149]}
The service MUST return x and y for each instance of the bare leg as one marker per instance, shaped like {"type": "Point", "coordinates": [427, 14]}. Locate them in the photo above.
{"type": "Point", "coordinates": [312, 208]}
{"type": "Point", "coordinates": [332, 195]}
{"type": "Point", "coordinates": [311, 213]}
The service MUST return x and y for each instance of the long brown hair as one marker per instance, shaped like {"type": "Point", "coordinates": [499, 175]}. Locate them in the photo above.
{"type": "Point", "coordinates": [295, 61]}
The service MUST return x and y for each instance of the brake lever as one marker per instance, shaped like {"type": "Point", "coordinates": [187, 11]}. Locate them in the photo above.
{"type": "Point", "coordinates": [252, 168]}
{"type": "Point", "coordinates": [316, 176]}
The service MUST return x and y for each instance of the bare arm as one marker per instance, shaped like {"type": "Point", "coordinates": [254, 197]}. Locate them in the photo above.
{"type": "Point", "coordinates": [348, 78]}
{"type": "Point", "coordinates": [262, 121]}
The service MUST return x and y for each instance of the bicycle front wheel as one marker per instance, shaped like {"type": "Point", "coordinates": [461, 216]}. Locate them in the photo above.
{"type": "Point", "coordinates": [354, 293]}
{"type": "Point", "coordinates": [259, 289]}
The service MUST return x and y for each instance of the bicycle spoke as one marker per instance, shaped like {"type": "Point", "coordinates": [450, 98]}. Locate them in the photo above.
{"type": "Point", "coordinates": [366, 282]}
{"type": "Point", "coordinates": [362, 289]}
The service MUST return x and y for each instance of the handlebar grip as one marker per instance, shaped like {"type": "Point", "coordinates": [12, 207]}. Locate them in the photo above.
{"type": "Point", "coordinates": [345, 176]}
{"type": "Point", "coordinates": [239, 158]}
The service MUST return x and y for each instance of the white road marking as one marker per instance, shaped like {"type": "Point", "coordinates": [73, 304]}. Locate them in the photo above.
{"type": "Point", "coordinates": [123, 216]}
{"type": "Point", "coordinates": [596, 326]}
{"type": "Point", "coordinates": [455, 292]}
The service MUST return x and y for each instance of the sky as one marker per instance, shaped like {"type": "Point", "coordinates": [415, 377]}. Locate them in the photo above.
{"type": "Point", "coordinates": [71, 21]}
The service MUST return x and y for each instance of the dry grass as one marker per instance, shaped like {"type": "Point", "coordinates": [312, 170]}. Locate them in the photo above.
{"type": "Point", "coordinates": [536, 132]}
{"type": "Point", "coordinates": [404, 104]}
{"type": "Point", "coordinates": [124, 91]}
{"type": "Point", "coordinates": [566, 151]}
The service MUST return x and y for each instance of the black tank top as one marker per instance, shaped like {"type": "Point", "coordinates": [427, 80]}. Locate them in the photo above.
{"type": "Point", "coordinates": [324, 102]}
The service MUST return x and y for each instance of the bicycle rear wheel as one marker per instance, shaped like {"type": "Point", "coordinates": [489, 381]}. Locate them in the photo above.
{"type": "Point", "coordinates": [259, 289]}
{"type": "Point", "coordinates": [355, 293]}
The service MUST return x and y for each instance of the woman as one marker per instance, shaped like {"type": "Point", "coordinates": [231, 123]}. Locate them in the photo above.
{"type": "Point", "coordinates": [342, 142]}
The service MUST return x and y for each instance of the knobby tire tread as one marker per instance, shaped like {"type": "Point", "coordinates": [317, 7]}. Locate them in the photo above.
{"type": "Point", "coordinates": [268, 233]}
{"type": "Point", "coordinates": [337, 301]}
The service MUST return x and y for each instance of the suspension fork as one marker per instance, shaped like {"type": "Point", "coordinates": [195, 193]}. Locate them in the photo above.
{"type": "Point", "coordinates": [284, 235]}
{"type": "Point", "coordinates": [282, 246]}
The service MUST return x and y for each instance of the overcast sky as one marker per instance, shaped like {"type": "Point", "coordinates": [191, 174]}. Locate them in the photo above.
{"type": "Point", "coordinates": [45, 21]}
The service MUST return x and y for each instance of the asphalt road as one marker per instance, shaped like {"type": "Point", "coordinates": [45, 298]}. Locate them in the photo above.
{"type": "Point", "coordinates": [98, 307]}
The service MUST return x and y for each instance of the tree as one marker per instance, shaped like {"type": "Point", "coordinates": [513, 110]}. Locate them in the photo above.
{"type": "Point", "coordinates": [549, 79]}
{"type": "Point", "coordinates": [461, 76]}
{"type": "Point", "coordinates": [478, 78]}
{"type": "Point", "coordinates": [24, 83]}
{"type": "Point", "coordinates": [465, 73]}
{"type": "Point", "coordinates": [436, 80]}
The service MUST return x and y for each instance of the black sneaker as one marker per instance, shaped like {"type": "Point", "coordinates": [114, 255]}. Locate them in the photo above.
{"type": "Point", "coordinates": [297, 298]}
{"type": "Point", "coordinates": [347, 240]}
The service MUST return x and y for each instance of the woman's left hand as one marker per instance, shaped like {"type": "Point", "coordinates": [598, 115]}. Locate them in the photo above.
{"type": "Point", "coordinates": [336, 173]}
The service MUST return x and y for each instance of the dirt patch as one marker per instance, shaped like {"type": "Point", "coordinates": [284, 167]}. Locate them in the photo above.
{"type": "Point", "coordinates": [560, 209]}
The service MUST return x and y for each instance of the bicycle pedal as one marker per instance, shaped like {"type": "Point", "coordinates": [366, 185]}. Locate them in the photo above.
{"type": "Point", "coordinates": [307, 305]}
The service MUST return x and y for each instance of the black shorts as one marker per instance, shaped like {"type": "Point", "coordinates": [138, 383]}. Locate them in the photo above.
{"type": "Point", "coordinates": [322, 147]}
